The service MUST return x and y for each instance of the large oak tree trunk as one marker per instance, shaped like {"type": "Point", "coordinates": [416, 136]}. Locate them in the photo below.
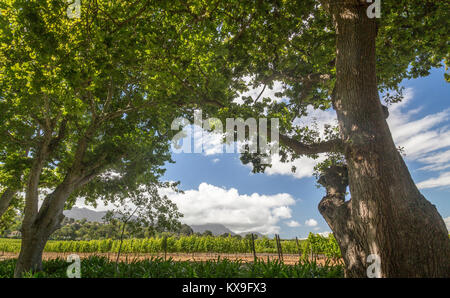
{"type": "Point", "coordinates": [32, 246]}
{"type": "Point", "coordinates": [40, 223]}
{"type": "Point", "coordinates": [33, 243]}
{"type": "Point", "coordinates": [36, 233]}
{"type": "Point", "coordinates": [386, 215]}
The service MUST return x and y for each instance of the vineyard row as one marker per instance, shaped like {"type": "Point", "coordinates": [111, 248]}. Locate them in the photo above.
{"type": "Point", "coordinates": [315, 244]}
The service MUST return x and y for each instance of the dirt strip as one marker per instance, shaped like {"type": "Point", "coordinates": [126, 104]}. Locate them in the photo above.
{"type": "Point", "coordinates": [289, 259]}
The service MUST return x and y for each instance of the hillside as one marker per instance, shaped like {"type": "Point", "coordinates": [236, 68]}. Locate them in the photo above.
{"type": "Point", "coordinates": [97, 216]}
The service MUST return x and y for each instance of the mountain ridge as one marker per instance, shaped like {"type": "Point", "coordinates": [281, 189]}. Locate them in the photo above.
{"type": "Point", "coordinates": [216, 229]}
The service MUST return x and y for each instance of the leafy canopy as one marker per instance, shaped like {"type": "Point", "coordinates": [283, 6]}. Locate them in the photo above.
{"type": "Point", "coordinates": [113, 80]}
{"type": "Point", "coordinates": [99, 92]}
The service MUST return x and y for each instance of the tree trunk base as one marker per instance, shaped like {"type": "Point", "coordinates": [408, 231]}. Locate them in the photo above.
{"type": "Point", "coordinates": [30, 257]}
{"type": "Point", "coordinates": [420, 251]}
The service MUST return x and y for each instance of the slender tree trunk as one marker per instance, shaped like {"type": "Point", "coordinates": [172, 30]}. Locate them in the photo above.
{"type": "Point", "coordinates": [121, 237]}
{"type": "Point", "coordinates": [387, 215]}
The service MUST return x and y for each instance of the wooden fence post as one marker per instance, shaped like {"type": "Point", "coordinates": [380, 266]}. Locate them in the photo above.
{"type": "Point", "coordinates": [298, 247]}
{"type": "Point", "coordinates": [279, 249]}
{"type": "Point", "coordinates": [254, 249]}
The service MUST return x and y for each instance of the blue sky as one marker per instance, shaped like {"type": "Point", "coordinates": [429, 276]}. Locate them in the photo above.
{"type": "Point", "coordinates": [220, 189]}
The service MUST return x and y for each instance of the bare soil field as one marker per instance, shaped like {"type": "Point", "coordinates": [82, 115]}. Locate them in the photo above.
{"type": "Point", "coordinates": [289, 259]}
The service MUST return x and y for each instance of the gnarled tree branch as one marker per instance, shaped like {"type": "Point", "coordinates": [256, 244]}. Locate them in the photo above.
{"type": "Point", "coordinates": [338, 214]}
{"type": "Point", "coordinates": [300, 148]}
{"type": "Point", "coordinates": [333, 206]}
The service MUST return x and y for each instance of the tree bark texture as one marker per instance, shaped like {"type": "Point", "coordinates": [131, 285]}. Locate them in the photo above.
{"type": "Point", "coordinates": [36, 234]}
{"type": "Point", "coordinates": [386, 215]}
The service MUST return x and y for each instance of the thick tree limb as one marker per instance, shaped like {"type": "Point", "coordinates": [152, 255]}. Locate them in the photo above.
{"type": "Point", "coordinates": [51, 212]}
{"type": "Point", "coordinates": [31, 197]}
{"type": "Point", "coordinates": [310, 79]}
{"type": "Point", "coordinates": [61, 135]}
{"type": "Point", "coordinates": [128, 109]}
{"type": "Point", "coordinates": [6, 199]}
{"type": "Point", "coordinates": [25, 143]}
{"type": "Point", "coordinates": [300, 148]}
{"type": "Point", "coordinates": [337, 212]}
{"type": "Point", "coordinates": [333, 206]}
{"type": "Point", "coordinates": [385, 111]}
{"type": "Point", "coordinates": [309, 82]}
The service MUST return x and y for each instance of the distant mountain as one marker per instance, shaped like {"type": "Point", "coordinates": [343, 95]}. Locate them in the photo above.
{"type": "Point", "coordinates": [216, 229]}
{"type": "Point", "coordinates": [254, 233]}
{"type": "Point", "coordinates": [85, 213]}
{"type": "Point", "coordinates": [97, 216]}
{"type": "Point", "coordinates": [219, 229]}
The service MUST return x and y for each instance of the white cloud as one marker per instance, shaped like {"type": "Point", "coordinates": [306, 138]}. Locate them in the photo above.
{"type": "Point", "coordinates": [211, 141]}
{"type": "Point", "coordinates": [311, 222]}
{"type": "Point", "coordinates": [238, 212]}
{"type": "Point", "coordinates": [282, 212]}
{"type": "Point", "coordinates": [436, 162]}
{"type": "Point", "coordinates": [293, 224]}
{"type": "Point", "coordinates": [425, 143]}
{"type": "Point", "coordinates": [304, 166]}
{"type": "Point", "coordinates": [324, 234]}
{"type": "Point", "coordinates": [425, 140]}
{"type": "Point", "coordinates": [318, 118]}
{"type": "Point", "coordinates": [419, 137]}
{"type": "Point", "coordinates": [215, 160]}
{"type": "Point", "coordinates": [441, 181]}
{"type": "Point", "coordinates": [447, 223]}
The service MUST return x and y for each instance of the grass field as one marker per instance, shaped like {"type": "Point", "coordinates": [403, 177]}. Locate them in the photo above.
{"type": "Point", "coordinates": [101, 267]}
{"type": "Point", "coordinates": [288, 259]}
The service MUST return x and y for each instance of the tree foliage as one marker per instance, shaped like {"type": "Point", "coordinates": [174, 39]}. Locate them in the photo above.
{"type": "Point", "coordinates": [86, 103]}
{"type": "Point", "coordinates": [293, 44]}
{"type": "Point", "coordinates": [89, 101]}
